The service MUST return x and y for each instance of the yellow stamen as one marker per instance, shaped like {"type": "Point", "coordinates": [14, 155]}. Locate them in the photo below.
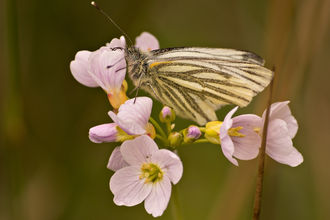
{"type": "Point", "coordinates": [257, 130]}
{"type": "Point", "coordinates": [234, 132]}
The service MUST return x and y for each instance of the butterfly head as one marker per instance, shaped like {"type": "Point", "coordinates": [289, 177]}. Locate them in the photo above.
{"type": "Point", "coordinates": [136, 63]}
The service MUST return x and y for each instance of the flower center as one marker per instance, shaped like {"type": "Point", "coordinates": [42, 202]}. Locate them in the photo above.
{"type": "Point", "coordinates": [151, 173]}
{"type": "Point", "coordinates": [234, 132]}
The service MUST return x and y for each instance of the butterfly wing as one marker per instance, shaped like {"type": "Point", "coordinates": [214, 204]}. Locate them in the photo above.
{"type": "Point", "coordinates": [198, 81]}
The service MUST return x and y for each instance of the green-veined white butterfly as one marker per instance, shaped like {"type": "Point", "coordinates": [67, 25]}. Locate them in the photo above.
{"type": "Point", "coordinates": [196, 81]}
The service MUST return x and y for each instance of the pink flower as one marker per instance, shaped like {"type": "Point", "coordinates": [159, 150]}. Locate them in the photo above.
{"type": "Point", "coordinates": [79, 66]}
{"type": "Point", "coordinates": [146, 42]}
{"type": "Point", "coordinates": [133, 117]}
{"type": "Point", "coordinates": [103, 133]}
{"type": "Point", "coordinates": [241, 136]}
{"type": "Point", "coordinates": [282, 128]}
{"type": "Point", "coordinates": [108, 69]}
{"type": "Point", "coordinates": [146, 175]}
{"type": "Point", "coordinates": [108, 133]}
{"type": "Point", "coordinates": [132, 120]}
{"type": "Point", "coordinates": [238, 136]}
{"type": "Point", "coordinates": [105, 68]}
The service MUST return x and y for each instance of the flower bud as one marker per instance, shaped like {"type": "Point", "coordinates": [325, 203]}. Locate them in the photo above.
{"type": "Point", "coordinates": [167, 114]}
{"type": "Point", "coordinates": [191, 134]}
{"type": "Point", "coordinates": [212, 131]}
{"type": "Point", "coordinates": [108, 133]}
{"type": "Point", "coordinates": [175, 139]}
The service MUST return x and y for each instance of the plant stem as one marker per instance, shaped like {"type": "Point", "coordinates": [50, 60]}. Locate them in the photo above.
{"type": "Point", "coordinates": [202, 129]}
{"type": "Point", "coordinates": [158, 128]}
{"type": "Point", "coordinates": [168, 128]}
{"type": "Point", "coordinates": [176, 206]}
{"type": "Point", "coordinates": [261, 167]}
{"type": "Point", "coordinates": [165, 142]}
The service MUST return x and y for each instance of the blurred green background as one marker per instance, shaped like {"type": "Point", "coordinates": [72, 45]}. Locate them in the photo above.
{"type": "Point", "coordinates": [50, 170]}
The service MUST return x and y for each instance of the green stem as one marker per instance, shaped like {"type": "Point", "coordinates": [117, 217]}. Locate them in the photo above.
{"type": "Point", "coordinates": [165, 142]}
{"type": "Point", "coordinates": [158, 128]}
{"type": "Point", "coordinates": [176, 206]}
{"type": "Point", "coordinates": [168, 128]}
{"type": "Point", "coordinates": [202, 129]}
{"type": "Point", "coordinates": [201, 141]}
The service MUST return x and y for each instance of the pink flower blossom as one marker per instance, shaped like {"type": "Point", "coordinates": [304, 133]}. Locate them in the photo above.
{"type": "Point", "coordinates": [241, 136]}
{"type": "Point", "coordinates": [238, 136]}
{"type": "Point", "coordinates": [282, 128]}
{"type": "Point", "coordinates": [133, 117]}
{"type": "Point", "coordinates": [103, 133]}
{"type": "Point", "coordinates": [146, 175]}
{"type": "Point", "coordinates": [110, 132]}
{"type": "Point", "coordinates": [105, 68]}
{"type": "Point", "coordinates": [79, 66]}
{"type": "Point", "coordinates": [146, 42]}
{"type": "Point", "coordinates": [131, 120]}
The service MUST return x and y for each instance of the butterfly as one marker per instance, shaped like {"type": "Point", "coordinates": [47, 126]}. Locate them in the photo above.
{"type": "Point", "coordinates": [197, 81]}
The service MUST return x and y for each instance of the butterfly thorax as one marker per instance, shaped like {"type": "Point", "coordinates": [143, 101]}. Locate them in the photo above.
{"type": "Point", "coordinates": [136, 63]}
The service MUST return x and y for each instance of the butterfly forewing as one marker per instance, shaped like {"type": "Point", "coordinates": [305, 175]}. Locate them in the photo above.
{"type": "Point", "coordinates": [204, 52]}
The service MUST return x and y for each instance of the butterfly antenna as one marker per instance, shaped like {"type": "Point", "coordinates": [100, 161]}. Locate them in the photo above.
{"type": "Point", "coordinates": [97, 7]}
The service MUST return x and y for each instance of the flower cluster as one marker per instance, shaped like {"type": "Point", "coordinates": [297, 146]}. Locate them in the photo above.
{"type": "Point", "coordinates": [241, 136]}
{"type": "Point", "coordinates": [143, 172]}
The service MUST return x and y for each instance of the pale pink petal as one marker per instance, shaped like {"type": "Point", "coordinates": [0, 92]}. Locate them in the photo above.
{"type": "Point", "coordinates": [227, 145]}
{"type": "Point", "coordinates": [140, 107]}
{"type": "Point", "coordinates": [107, 68]}
{"type": "Point", "coordinates": [137, 151]}
{"type": "Point", "coordinates": [281, 110]}
{"type": "Point", "coordinates": [129, 126]}
{"type": "Point", "coordinates": [128, 188]}
{"type": "Point", "coordinates": [79, 67]}
{"type": "Point", "coordinates": [117, 42]}
{"type": "Point", "coordinates": [133, 117]}
{"type": "Point", "coordinates": [247, 147]}
{"type": "Point", "coordinates": [247, 121]}
{"type": "Point", "coordinates": [279, 142]}
{"type": "Point", "coordinates": [169, 163]}
{"type": "Point", "coordinates": [147, 42]}
{"type": "Point", "coordinates": [116, 161]}
{"type": "Point", "coordinates": [103, 133]}
{"type": "Point", "coordinates": [157, 201]}
{"type": "Point", "coordinates": [293, 159]}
